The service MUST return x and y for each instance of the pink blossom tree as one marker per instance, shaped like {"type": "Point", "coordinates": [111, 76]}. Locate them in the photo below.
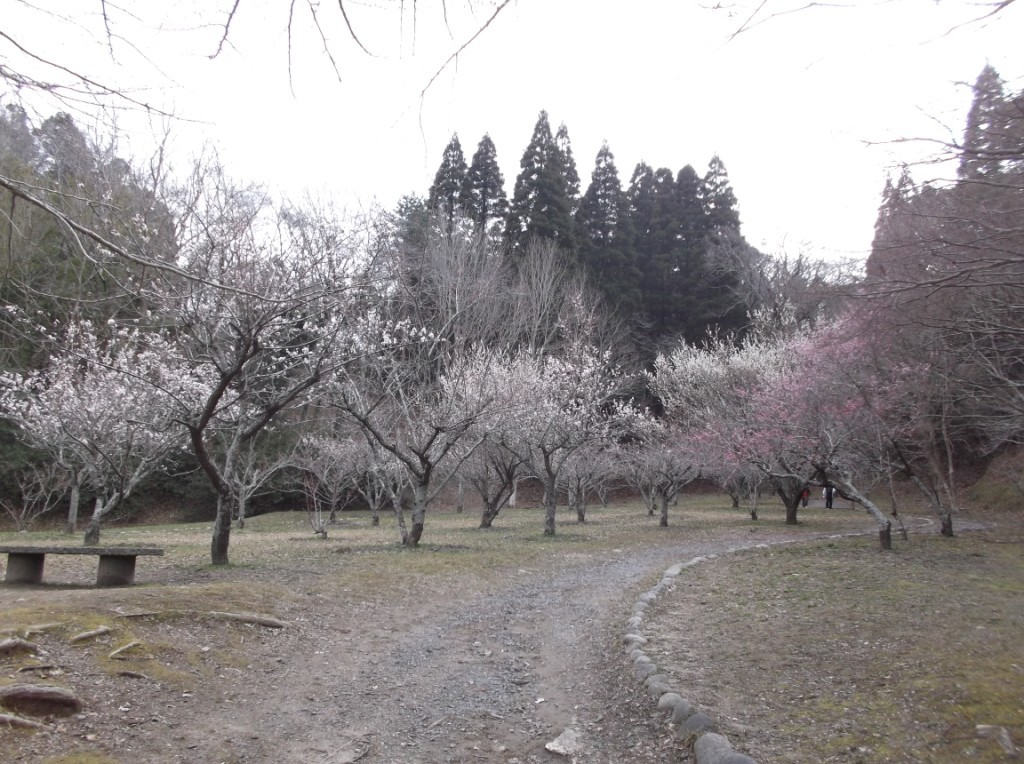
{"type": "Point", "coordinates": [711, 392]}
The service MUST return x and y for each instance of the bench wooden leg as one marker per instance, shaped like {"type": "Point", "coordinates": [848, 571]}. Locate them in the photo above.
{"type": "Point", "coordinates": [116, 570]}
{"type": "Point", "coordinates": [24, 568]}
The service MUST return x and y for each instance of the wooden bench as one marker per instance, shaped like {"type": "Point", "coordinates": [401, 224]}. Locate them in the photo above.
{"type": "Point", "coordinates": [117, 563]}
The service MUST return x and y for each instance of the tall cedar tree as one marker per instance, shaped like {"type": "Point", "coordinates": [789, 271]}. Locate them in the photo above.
{"type": "Point", "coordinates": [486, 202]}
{"type": "Point", "coordinates": [542, 200]}
{"type": "Point", "coordinates": [672, 223]}
{"type": "Point", "coordinates": [572, 177]}
{"type": "Point", "coordinates": [714, 306]}
{"type": "Point", "coordinates": [654, 240]}
{"type": "Point", "coordinates": [601, 228]}
{"type": "Point", "coordinates": [897, 201]}
{"type": "Point", "coordinates": [448, 194]}
{"type": "Point", "coordinates": [985, 136]}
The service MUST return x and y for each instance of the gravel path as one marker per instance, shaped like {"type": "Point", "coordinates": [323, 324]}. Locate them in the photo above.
{"type": "Point", "coordinates": [485, 676]}
{"type": "Point", "coordinates": [448, 674]}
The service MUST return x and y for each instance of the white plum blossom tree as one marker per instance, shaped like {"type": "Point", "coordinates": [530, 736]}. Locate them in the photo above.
{"type": "Point", "coordinates": [558, 404]}
{"type": "Point", "coordinates": [101, 407]}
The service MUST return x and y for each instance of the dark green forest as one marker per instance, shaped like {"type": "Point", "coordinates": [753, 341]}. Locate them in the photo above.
{"type": "Point", "coordinates": [652, 248]}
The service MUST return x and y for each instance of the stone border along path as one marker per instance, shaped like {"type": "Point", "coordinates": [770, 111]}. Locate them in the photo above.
{"type": "Point", "coordinates": [689, 721]}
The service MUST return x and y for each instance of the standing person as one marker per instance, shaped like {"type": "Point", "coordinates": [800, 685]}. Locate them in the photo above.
{"type": "Point", "coordinates": [806, 496]}
{"type": "Point", "coordinates": [829, 492]}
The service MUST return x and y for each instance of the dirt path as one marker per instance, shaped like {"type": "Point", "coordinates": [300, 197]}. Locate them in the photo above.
{"type": "Point", "coordinates": [489, 676]}
{"type": "Point", "coordinates": [448, 675]}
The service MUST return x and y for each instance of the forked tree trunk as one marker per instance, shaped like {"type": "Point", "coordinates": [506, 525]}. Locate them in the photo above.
{"type": "Point", "coordinates": [790, 490]}
{"type": "Point", "coordinates": [650, 500]}
{"type": "Point", "coordinates": [943, 513]}
{"type": "Point", "coordinates": [577, 505]}
{"type": "Point", "coordinates": [487, 517]}
{"type": "Point", "coordinates": [493, 505]}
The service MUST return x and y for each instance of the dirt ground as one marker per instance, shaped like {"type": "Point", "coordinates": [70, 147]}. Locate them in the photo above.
{"type": "Point", "coordinates": [449, 653]}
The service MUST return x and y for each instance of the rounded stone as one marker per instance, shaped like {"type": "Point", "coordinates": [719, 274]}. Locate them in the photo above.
{"type": "Point", "coordinates": [712, 748]}
{"type": "Point", "coordinates": [656, 678]}
{"type": "Point", "coordinates": [695, 724]}
{"type": "Point", "coordinates": [669, 700]}
{"type": "Point", "coordinates": [643, 670]}
{"type": "Point", "coordinates": [657, 689]}
{"type": "Point", "coordinates": [682, 711]}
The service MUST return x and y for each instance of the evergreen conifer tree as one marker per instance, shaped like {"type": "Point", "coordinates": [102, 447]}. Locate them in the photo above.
{"type": "Point", "coordinates": [448, 194]}
{"type": "Point", "coordinates": [541, 204]}
{"type": "Point", "coordinates": [988, 134]}
{"type": "Point", "coordinates": [719, 199]}
{"type": "Point", "coordinates": [486, 201]}
{"type": "Point", "coordinates": [572, 177]}
{"type": "Point", "coordinates": [601, 228]}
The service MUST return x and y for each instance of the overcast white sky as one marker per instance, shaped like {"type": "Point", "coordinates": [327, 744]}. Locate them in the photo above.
{"type": "Point", "coordinates": [792, 104]}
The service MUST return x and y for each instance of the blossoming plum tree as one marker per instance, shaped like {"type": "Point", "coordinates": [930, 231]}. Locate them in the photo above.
{"type": "Point", "coordinates": [101, 407]}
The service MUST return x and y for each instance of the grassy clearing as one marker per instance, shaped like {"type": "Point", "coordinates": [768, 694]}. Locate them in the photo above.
{"type": "Point", "coordinates": [274, 550]}
{"type": "Point", "coordinates": [845, 653]}
{"type": "Point", "coordinates": [833, 650]}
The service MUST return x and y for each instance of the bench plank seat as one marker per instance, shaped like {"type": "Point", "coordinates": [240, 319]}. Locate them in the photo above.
{"type": "Point", "coordinates": [116, 565]}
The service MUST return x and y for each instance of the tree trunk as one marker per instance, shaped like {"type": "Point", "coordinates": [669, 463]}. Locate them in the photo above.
{"type": "Point", "coordinates": [221, 531]}
{"type": "Point", "coordinates": [419, 515]}
{"type": "Point", "coordinates": [242, 509]}
{"type": "Point", "coordinates": [460, 506]}
{"type": "Point", "coordinates": [663, 522]}
{"type": "Point", "coordinates": [791, 511]}
{"type": "Point", "coordinates": [945, 515]}
{"type": "Point", "coordinates": [946, 525]}
{"type": "Point", "coordinates": [549, 505]}
{"type": "Point", "coordinates": [884, 526]}
{"type": "Point", "coordinates": [73, 501]}
{"type": "Point", "coordinates": [576, 504]}
{"type": "Point", "coordinates": [92, 530]}
{"type": "Point", "coordinates": [396, 505]}
{"type": "Point", "coordinates": [649, 499]}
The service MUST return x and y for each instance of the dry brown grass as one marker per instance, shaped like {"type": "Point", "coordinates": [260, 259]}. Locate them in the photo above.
{"type": "Point", "coordinates": [835, 651]}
